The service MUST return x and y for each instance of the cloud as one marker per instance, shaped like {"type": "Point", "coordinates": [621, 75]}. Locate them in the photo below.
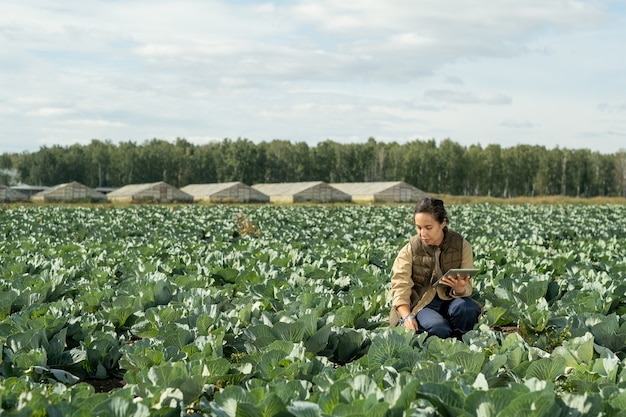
{"type": "Point", "coordinates": [507, 16]}
{"type": "Point", "coordinates": [303, 40]}
{"type": "Point", "coordinates": [454, 80]}
{"type": "Point", "coordinates": [50, 112]}
{"type": "Point", "coordinates": [322, 41]}
{"type": "Point", "coordinates": [463, 97]}
{"type": "Point", "coordinates": [612, 108]}
{"type": "Point", "coordinates": [95, 123]}
{"type": "Point", "coordinates": [518, 124]}
{"type": "Point", "coordinates": [130, 70]}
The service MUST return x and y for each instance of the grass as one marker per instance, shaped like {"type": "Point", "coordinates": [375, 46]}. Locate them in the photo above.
{"type": "Point", "coordinates": [550, 199]}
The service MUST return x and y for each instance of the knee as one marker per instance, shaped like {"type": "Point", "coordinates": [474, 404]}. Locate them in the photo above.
{"type": "Point", "coordinates": [464, 307]}
{"type": "Point", "coordinates": [442, 331]}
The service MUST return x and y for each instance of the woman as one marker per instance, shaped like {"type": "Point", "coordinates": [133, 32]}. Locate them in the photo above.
{"type": "Point", "coordinates": [417, 304]}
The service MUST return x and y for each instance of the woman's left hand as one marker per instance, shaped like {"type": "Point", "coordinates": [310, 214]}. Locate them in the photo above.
{"type": "Point", "coordinates": [457, 283]}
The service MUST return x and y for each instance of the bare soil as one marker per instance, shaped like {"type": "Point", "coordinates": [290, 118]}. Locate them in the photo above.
{"type": "Point", "coordinates": [105, 385]}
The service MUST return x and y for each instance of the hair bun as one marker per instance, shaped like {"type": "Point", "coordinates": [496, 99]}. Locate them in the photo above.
{"type": "Point", "coordinates": [436, 202]}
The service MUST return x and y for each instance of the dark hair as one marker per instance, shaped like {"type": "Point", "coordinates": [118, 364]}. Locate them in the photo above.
{"type": "Point", "coordinates": [434, 207]}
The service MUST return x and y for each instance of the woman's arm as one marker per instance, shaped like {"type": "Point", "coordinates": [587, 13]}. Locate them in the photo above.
{"type": "Point", "coordinates": [401, 286]}
{"type": "Point", "coordinates": [401, 281]}
{"type": "Point", "coordinates": [467, 256]}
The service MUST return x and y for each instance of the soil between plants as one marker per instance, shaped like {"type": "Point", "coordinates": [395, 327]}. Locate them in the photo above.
{"type": "Point", "coordinates": [105, 385]}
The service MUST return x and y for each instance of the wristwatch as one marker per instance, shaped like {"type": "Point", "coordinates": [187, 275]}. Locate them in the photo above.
{"type": "Point", "coordinates": [408, 316]}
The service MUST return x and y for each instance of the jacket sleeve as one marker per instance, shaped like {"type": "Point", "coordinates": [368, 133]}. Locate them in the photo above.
{"type": "Point", "coordinates": [401, 281]}
{"type": "Point", "coordinates": [467, 257]}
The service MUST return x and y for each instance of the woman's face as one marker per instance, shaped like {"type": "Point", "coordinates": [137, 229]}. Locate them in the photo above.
{"type": "Point", "coordinates": [429, 229]}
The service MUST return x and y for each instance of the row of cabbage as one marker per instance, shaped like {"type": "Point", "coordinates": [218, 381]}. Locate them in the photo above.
{"type": "Point", "coordinates": [281, 311]}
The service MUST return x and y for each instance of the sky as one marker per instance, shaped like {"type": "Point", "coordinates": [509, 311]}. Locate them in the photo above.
{"type": "Point", "coordinates": [507, 72]}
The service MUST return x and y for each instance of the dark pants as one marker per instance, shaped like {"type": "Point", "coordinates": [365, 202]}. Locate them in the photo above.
{"type": "Point", "coordinates": [446, 318]}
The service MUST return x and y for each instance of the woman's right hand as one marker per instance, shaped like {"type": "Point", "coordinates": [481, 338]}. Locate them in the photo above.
{"type": "Point", "coordinates": [407, 318]}
{"type": "Point", "coordinates": [410, 324]}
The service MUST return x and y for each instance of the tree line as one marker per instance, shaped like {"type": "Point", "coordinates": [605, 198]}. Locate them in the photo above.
{"type": "Point", "coordinates": [444, 168]}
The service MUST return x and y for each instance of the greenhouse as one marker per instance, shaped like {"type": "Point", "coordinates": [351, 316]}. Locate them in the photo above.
{"type": "Point", "coordinates": [68, 192]}
{"type": "Point", "coordinates": [387, 192]}
{"type": "Point", "coordinates": [158, 192]}
{"type": "Point", "coordinates": [8, 195]}
{"type": "Point", "coordinates": [302, 192]}
{"type": "Point", "coordinates": [228, 192]}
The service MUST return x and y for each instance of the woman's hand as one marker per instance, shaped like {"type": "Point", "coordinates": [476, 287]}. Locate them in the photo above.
{"type": "Point", "coordinates": [407, 319]}
{"type": "Point", "coordinates": [457, 283]}
{"type": "Point", "coordinates": [410, 324]}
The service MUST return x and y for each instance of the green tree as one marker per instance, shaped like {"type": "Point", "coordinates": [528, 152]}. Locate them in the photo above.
{"type": "Point", "coordinates": [423, 167]}
{"type": "Point", "coordinates": [240, 160]}
{"type": "Point", "coordinates": [155, 157]}
{"type": "Point", "coordinates": [279, 166]}
{"type": "Point", "coordinates": [75, 165]}
{"type": "Point", "coordinates": [182, 162]}
{"type": "Point", "coordinates": [549, 173]}
{"type": "Point", "coordinates": [8, 174]}
{"type": "Point", "coordinates": [520, 169]}
{"type": "Point", "coordinates": [494, 182]}
{"type": "Point", "coordinates": [99, 155]}
{"type": "Point", "coordinates": [44, 167]}
{"type": "Point", "coordinates": [301, 162]}
{"type": "Point", "coordinates": [475, 171]}
{"type": "Point", "coordinates": [392, 162]}
{"type": "Point", "coordinates": [578, 173]}
{"type": "Point", "coordinates": [449, 168]}
{"type": "Point", "coordinates": [451, 157]}
{"type": "Point", "coordinates": [347, 163]}
{"type": "Point", "coordinates": [126, 165]}
{"type": "Point", "coordinates": [603, 168]}
{"type": "Point", "coordinates": [324, 161]}
{"type": "Point", "coordinates": [620, 172]}
{"type": "Point", "coordinates": [6, 161]}
{"type": "Point", "coordinates": [203, 165]}
{"type": "Point", "coordinates": [372, 157]}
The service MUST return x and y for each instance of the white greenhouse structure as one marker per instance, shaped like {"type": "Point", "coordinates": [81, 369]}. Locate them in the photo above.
{"type": "Point", "coordinates": [227, 192]}
{"type": "Point", "coordinates": [156, 192]}
{"type": "Point", "coordinates": [302, 192]}
{"type": "Point", "coordinates": [381, 192]}
{"type": "Point", "coordinates": [68, 192]}
{"type": "Point", "coordinates": [9, 195]}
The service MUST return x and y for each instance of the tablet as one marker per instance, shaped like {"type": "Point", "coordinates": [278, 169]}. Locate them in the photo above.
{"type": "Point", "coordinates": [454, 272]}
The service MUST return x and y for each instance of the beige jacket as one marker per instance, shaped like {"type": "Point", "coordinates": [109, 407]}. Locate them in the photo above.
{"type": "Point", "coordinates": [402, 283]}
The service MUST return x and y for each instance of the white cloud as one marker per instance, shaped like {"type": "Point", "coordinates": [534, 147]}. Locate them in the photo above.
{"type": "Point", "coordinates": [95, 123]}
{"type": "Point", "coordinates": [307, 70]}
{"type": "Point", "coordinates": [518, 124]}
{"type": "Point", "coordinates": [453, 96]}
{"type": "Point", "coordinates": [612, 107]}
{"type": "Point", "coordinates": [50, 112]}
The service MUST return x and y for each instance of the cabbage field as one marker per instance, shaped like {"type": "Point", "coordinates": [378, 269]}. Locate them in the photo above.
{"type": "Point", "coordinates": [235, 311]}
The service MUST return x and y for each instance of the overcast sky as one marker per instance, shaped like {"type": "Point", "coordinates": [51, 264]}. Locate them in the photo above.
{"type": "Point", "coordinates": [508, 72]}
